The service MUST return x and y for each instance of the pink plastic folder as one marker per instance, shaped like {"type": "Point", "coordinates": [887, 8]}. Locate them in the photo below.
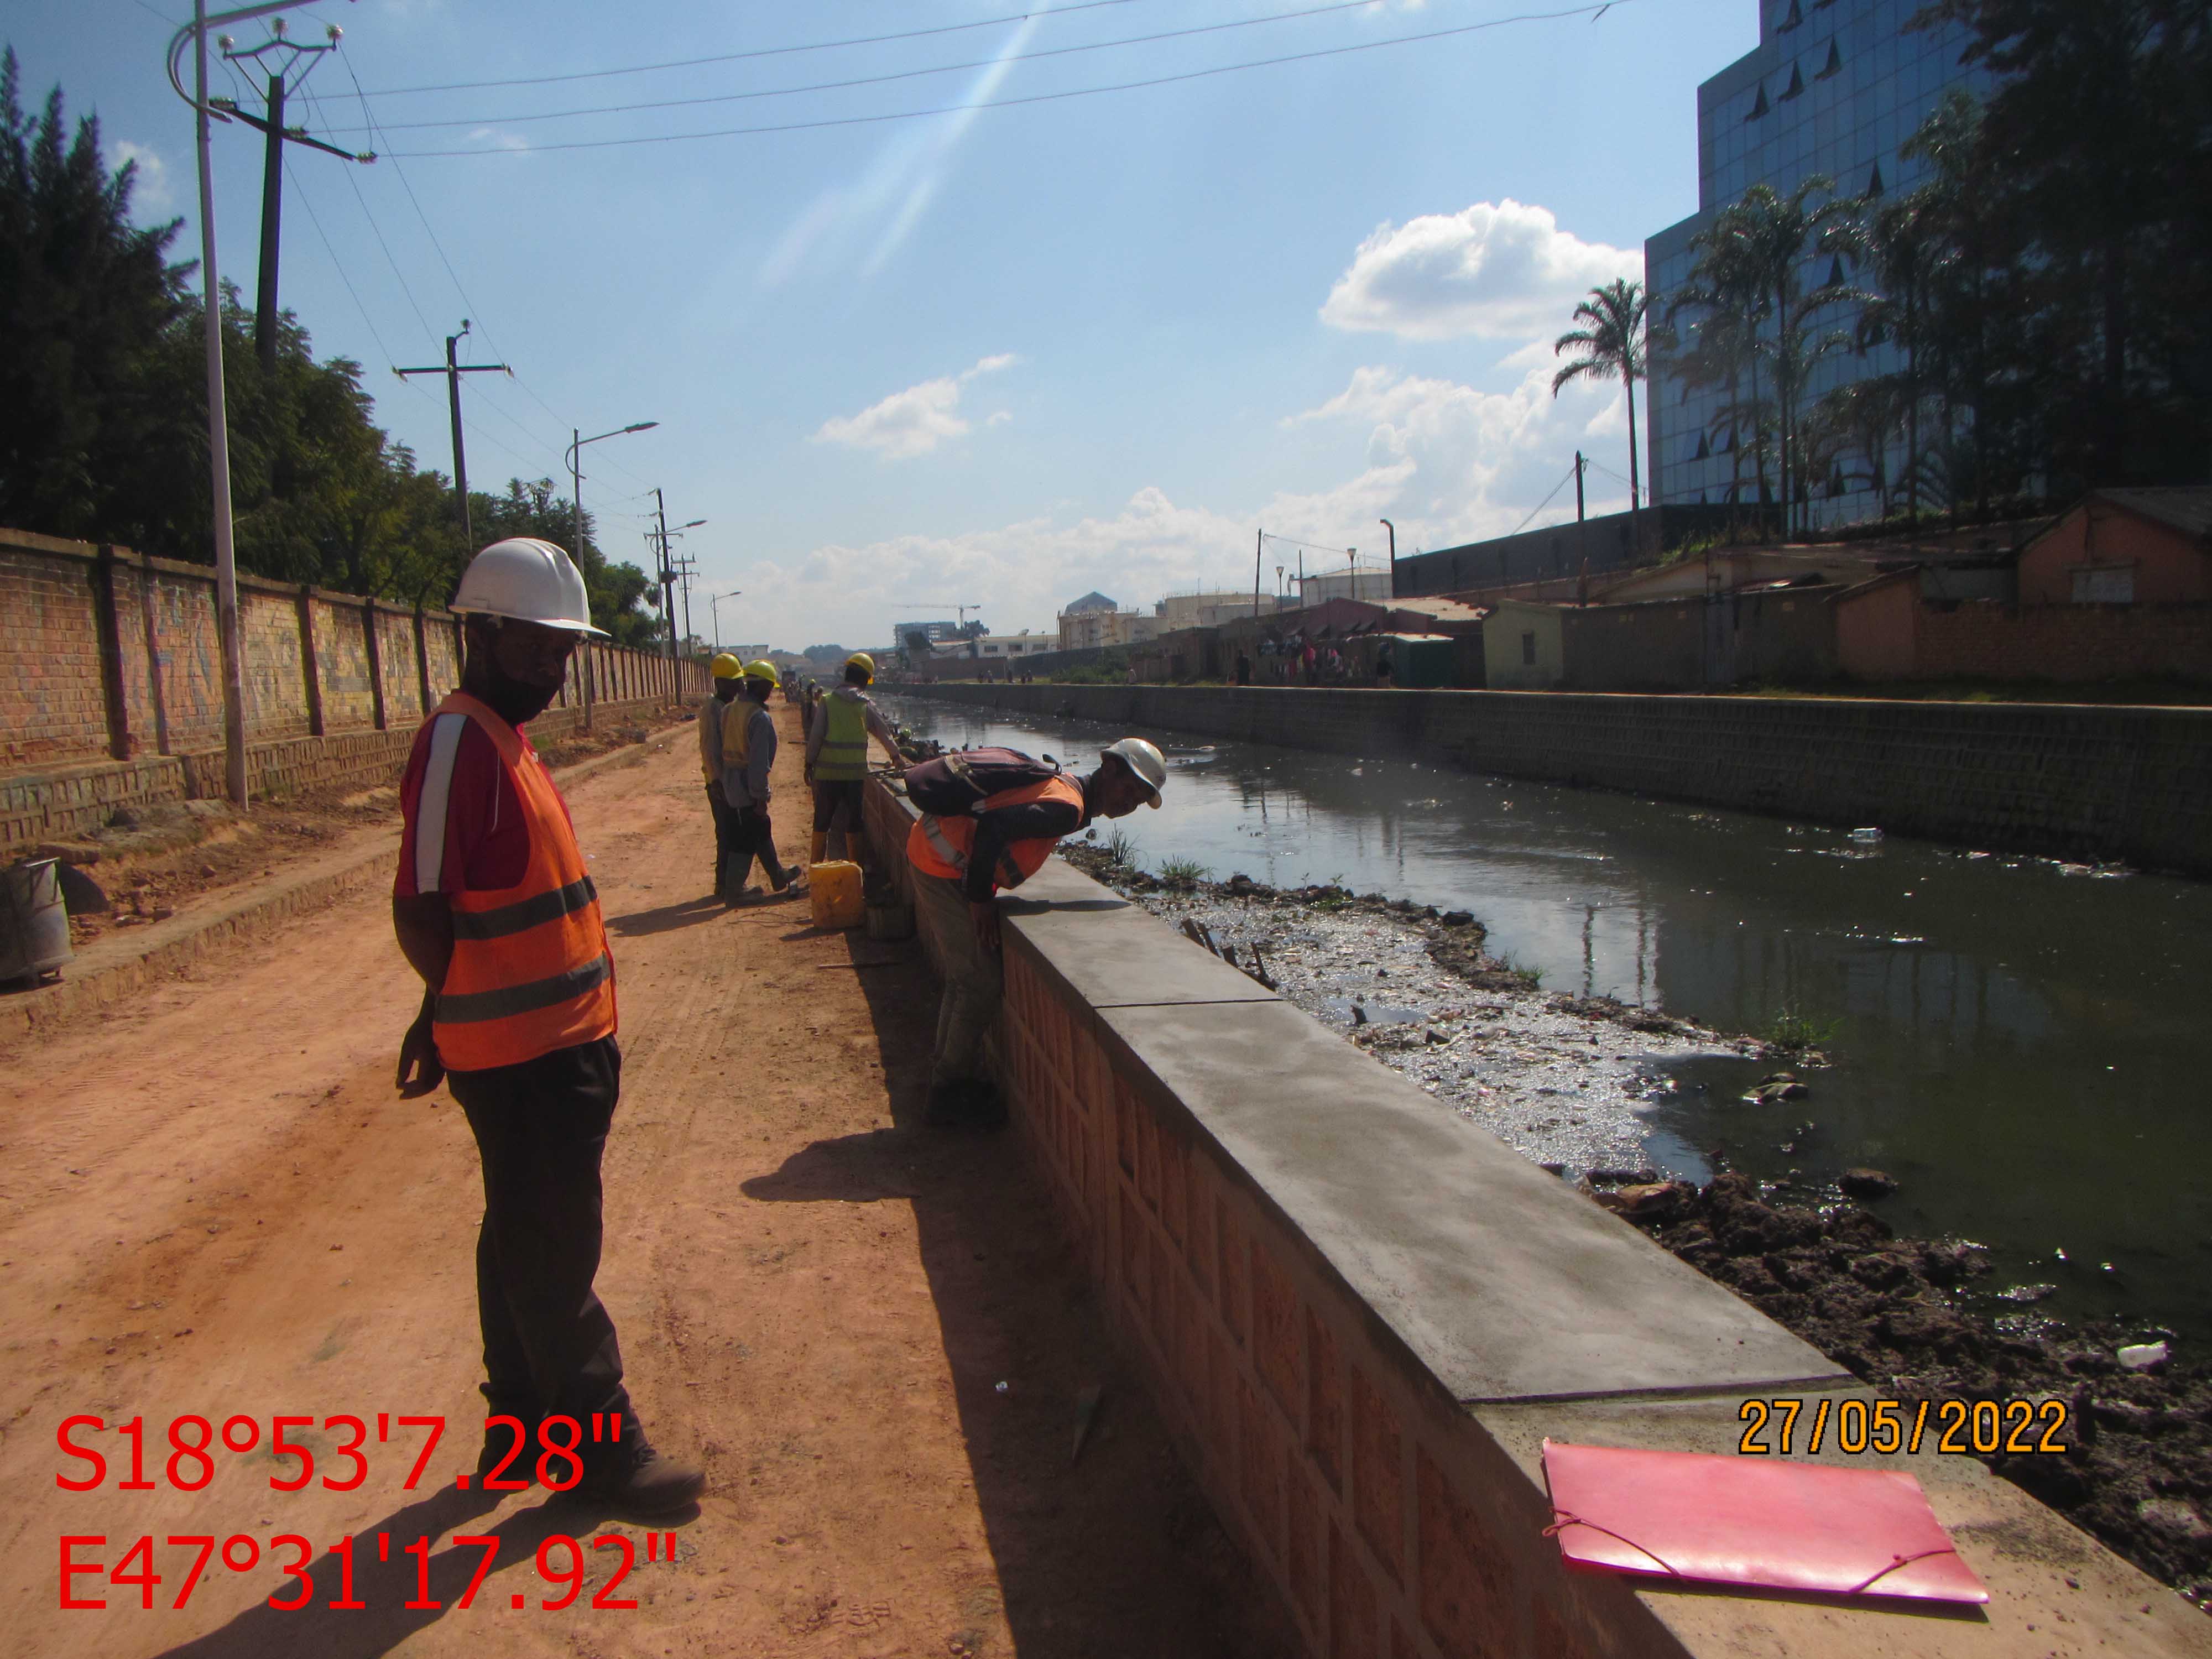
{"type": "Point", "coordinates": [1760, 1522]}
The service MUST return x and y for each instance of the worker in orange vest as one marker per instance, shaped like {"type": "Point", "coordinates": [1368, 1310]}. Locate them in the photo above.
{"type": "Point", "coordinates": [494, 907]}
{"type": "Point", "coordinates": [961, 860]}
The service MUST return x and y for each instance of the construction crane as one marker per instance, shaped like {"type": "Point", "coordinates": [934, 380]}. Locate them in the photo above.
{"type": "Point", "coordinates": [944, 605]}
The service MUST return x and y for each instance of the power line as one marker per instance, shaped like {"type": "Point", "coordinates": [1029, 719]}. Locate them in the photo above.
{"type": "Point", "coordinates": [878, 80]}
{"type": "Point", "coordinates": [1310, 547]}
{"type": "Point", "coordinates": [737, 57]}
{"type": "Point", "coordinates": [459, 287]}
{"type": "Point", "coordinates": [1541, 505]}
{"type": "Point", "coordinates": [1041, 97]}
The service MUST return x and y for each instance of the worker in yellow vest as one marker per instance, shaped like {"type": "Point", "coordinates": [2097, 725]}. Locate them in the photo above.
{"type": "Point", "coordinates": [1019, 811]}
{"type": "Point", "coordinates": [749, 745]}
{"type": "Point", "coordinates": [729, 679]}
{"type": "Point", "coordinates": [837, 759]}
{"type": "Point", "coordinates": [494, 907]}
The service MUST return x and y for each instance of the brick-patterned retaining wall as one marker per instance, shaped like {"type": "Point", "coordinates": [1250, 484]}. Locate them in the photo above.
{"type": "Point", "coordinates": [2071, 781]}
{"type": "Point", "coordinates": [1361, 1317]}
{"type": "Point", "coordinates": [111, 684]}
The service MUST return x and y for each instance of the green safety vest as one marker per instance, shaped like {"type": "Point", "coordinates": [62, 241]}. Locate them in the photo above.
{"type": "Point", "coordinates": [844, 744]}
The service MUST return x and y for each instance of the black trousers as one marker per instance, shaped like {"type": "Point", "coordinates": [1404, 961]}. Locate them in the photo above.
{"type": "Point", "coordinates": [754, 838]}
{"type": "Point", "coordinates": [725, 841]}
{"type": "Point", "coordinates": [541, 1127]}
{"type": "Point", "coordinates": [834, 795]}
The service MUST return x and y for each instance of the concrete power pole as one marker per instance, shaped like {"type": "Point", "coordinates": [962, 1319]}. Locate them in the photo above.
{"type": "Point", "coordinates": [452, 371]}
{"type": "Point", "coordinates": [275, 136]}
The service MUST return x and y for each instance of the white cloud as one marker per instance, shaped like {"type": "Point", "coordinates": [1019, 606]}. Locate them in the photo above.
{"type": "Point", "coordinates": [502, 139]}
{"type": "Point", "coordinates": [1505, 271]}
{"type": "Point", "coordinates": [915, 421]}
{"type": "Point", "coordinates": [150, 191]}
{"type": "Point", "coordinates": [1449, 463]}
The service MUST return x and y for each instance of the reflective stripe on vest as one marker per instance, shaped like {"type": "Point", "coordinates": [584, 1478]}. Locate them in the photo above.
{"type": "Point", "coordinates": [939, 845]}
{"type": "Point", "coordinates": [844, 752]}
{"type": "Point", "coordinates": [531, 970]}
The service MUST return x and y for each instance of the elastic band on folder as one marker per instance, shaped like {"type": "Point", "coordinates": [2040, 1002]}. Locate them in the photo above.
{"type": "Point", "coordinates": [1561, 1518]}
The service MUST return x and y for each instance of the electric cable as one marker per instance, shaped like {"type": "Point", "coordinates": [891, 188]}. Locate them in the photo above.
{"type": "Point", "coordinates": [1034, 98]}
{"type": "Point", "coordinates": [1310, 547]}
{"type": "Point", "coordinates": [878, 80]}
{"type": "Point", "coordinates": [761, 51]}
{"type": "Point", "coordinates": [1541, 505]}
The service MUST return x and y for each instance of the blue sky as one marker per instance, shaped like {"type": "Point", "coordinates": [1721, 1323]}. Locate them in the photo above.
{"type": "Point", "coordinates": [1000, 357]}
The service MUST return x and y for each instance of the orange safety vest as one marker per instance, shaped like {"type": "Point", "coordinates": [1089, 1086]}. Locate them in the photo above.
{"type": "Point", "coordinates": [530, 971]}
{"type": "Point", "coordinates": [938, 847]}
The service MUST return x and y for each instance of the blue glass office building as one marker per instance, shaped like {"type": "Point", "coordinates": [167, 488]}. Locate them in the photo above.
{"type": "Point", "coordinates": [1834, 87]}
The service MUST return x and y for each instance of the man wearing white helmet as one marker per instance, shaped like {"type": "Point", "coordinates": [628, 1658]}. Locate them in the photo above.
{"type": "Point", "coordinates": [960, 861]}
{"type": "Point", "coordinates": [494, 907]}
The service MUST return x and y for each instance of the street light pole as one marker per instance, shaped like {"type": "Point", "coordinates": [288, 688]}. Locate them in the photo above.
{"type": "Point", "coordinates": [714, 609]}
{"type": "Point", "coordinates": [1393, 529]}
{"type": "Point", "coordinates": [575, 460]}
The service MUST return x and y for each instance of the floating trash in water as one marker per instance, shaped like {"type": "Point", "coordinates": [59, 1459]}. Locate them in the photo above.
{"type": "Point", "coordinates": [2141, 1356]}
{"type": "Point", "coordinates": [2027, 1293]}
{"type": "Point", "coordinates": [1869, 833]}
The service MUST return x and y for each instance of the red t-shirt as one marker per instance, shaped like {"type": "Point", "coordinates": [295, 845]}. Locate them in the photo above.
{"type": "Point", "coordinates": [483, 843]}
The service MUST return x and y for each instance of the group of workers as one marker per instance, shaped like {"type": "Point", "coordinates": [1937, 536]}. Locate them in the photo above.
{"type": "Point", "coordinates": [737, 748]}
{"type": "Point", "coordinates": [495, 910]}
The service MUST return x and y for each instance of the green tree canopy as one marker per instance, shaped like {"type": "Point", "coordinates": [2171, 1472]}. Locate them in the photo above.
{"type": "Point", "coordinates": [103, 401]}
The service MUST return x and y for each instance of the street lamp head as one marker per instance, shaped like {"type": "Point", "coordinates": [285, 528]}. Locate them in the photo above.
{"type": "Point", "coordinates": [694, 525]}
{"type": "Point", "coordinates": [641, 426]}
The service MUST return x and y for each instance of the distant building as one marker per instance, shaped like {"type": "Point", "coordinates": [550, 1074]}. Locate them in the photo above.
{"type": "Point", "coordinates": [997, 647]}
{"type": "Point", "coordinates": [1180, 611]}
{"type": "Point", "coordinates": [1094, 621]}
{"type": "Point", "coordinates": [1834, 87]}
{"type": "Point", "coordinates": [1371, 586]}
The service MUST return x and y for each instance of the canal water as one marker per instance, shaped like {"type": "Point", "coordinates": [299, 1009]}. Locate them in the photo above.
{"type": "Point", "coordinates": [2025, 1046]}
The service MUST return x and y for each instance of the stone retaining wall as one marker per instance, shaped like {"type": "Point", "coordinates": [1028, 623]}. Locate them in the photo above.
{"type": "Point", "coordinates": [1361, 1316]}
{"type": "Point", "coordinates": [2072, 780]}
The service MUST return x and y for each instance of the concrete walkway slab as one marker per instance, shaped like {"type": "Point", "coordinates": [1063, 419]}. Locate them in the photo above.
{"type": "Point", "coordinates": [1112, 954]}
{"type": "Point", "coordinates": [1503, 1282]}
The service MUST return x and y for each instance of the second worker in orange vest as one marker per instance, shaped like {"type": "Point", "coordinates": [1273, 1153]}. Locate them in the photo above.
{"type": "Point", "coordinates": [960, 862]}
{"type": "Point", "coordinates": [495, 908]}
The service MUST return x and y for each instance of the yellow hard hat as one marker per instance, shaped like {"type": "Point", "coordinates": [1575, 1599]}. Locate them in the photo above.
{"type": "Point", "coordinates": [728, 667]}
{"type": "Point", "coordinates": [864, 662]}
{"type": "Point", "coordinates": [762, 669]}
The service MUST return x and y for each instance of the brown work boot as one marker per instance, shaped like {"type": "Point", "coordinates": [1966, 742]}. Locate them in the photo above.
{"type": "Point", "coordinates": [642, 1481]}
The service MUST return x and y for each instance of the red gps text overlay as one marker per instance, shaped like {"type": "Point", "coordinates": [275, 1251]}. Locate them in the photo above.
{"type": "Point", "coordinates": [183, 1456]}
{"type": "Point", "coordinates": [87, 1575]}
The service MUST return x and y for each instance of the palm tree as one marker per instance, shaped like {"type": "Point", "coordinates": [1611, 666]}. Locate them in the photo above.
{"type": "Point", "coordinates": [1613, 342]}
{"type": "Point", "coordinates": [1773, 233]}
{"type": "Point", "coordinates": [1729, 296]}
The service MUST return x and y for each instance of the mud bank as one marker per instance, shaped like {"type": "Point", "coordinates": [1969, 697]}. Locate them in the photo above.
{"type": "Point", "coordinates": [1565, 1081]}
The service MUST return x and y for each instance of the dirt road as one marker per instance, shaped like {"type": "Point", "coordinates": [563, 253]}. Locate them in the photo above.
{"type": "Point", "coordinates": [213, 1203]}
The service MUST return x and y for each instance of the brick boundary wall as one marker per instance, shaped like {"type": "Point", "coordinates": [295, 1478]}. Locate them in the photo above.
{"type": "Point", "coordinates": [1979, 639]}
{"type": "Point", "coordinates": [1360, 1316]}
{"type": "Point", "coordinates": [2071, 781]}
{"type": "Point", "coordinates": [41, 807]}
{"type": "Point", "coordinates": [111, 685]}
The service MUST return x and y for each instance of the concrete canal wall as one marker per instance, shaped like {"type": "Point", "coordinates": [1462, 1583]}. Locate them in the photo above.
{"type": "Point", "coordinates": [1361, 1317]}
{"type": "Point", "coordinates": [2076, 782]}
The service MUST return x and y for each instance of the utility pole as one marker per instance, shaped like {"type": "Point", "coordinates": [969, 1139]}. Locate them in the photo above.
{"type": "Point", "coordinates": [673, 570]}
{"type": "Point", "coordinates": [277, 135]}
{"type": "Point", "coordinates": [1393, 529]}
{"type": "Point", "coordinates": [226, 561]}
{"type": "Point", "coordinates": [1259, 542]}
{"type": "Point", "coordinates": [1582, 532]}
{"type": "Point", "coordinates": [452, 371]}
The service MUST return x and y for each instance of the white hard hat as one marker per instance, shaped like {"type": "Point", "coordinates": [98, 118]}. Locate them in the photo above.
{"type": "Point", "coordinates": [1143, 759]}
{"type": "Point", "coordinates": [530, 580]}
